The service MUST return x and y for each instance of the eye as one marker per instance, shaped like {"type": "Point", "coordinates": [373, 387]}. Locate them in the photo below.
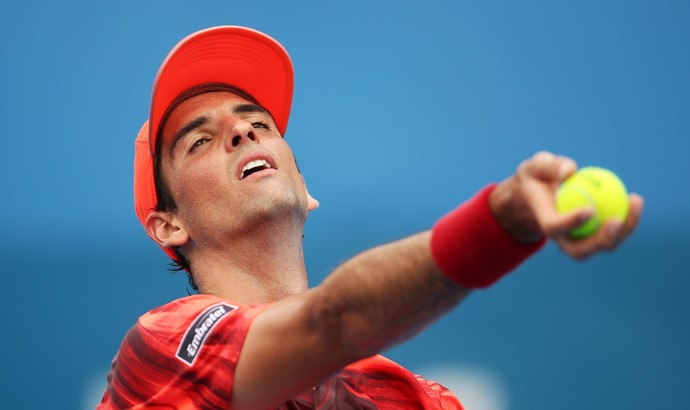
{"type": "Point", "coordinates": [199, 142]}
{"type": "Point", "coordinates": [259, 124]}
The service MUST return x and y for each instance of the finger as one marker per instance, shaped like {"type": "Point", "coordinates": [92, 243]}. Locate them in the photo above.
{"type": "Point", "coordinates": [609, 236]}
{"type": "Point", "coordinates": [618, 230]}
{"type": "Point", "coordinates": [633, 219]}
{"type": "Point", "coordinates": [565, 223]}
{"type": "Point", "coordinates": [552, 222]}
{"type": "Point", "coordinates": [606, 238]}
{"type": "Point", "coordinates": [542, 175]}
{"type": "Point", "coordinates": [548, 167]}
{"type": "Point", "coordinates": [634, 212]}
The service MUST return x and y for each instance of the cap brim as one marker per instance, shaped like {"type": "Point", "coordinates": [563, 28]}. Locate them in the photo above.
{"type": "Point", "coordinates": [238, 56]}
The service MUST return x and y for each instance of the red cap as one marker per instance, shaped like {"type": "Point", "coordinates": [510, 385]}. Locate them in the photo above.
{"type": "Point", "coordinates": [226, 58]}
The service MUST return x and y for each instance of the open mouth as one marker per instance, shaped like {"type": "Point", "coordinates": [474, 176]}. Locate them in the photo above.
{"type": "Point", "coordinates": [255, 166]}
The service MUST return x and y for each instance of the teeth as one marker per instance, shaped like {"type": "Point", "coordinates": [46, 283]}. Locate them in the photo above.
{"type": "Point", "coordinates": [256, 163]}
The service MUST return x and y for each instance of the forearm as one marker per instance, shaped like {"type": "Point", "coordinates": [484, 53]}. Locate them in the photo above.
{"type": "Point", "coordinates": [390, 293]}
{"type": "Point", "coordinates": [384, 296]}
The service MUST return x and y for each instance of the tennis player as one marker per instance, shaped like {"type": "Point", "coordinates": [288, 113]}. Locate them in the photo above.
{"type": "Point", "coordinates": [217, 187]}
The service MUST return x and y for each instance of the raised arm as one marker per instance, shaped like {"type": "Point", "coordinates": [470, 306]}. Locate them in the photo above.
{"type": "Point", "coordinates": [389, 293]}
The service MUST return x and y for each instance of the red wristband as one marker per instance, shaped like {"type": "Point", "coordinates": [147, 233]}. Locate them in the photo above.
{"type": "Point", "coordinates": [472, 249]}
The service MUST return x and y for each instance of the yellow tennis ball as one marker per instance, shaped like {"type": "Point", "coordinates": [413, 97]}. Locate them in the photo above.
{"type": "Point", "coordinates": [596, 187]}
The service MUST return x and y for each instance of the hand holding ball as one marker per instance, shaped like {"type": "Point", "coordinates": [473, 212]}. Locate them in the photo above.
{"type": "Point", "coordinates": [596, 187]}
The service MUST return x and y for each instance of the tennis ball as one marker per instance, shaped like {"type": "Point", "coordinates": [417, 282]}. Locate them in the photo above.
{"type": "Point", "coordinates": [596, 187]}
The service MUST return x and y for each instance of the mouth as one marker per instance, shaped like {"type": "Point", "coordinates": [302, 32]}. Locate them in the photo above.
{"type": "Point", "coordinates": [255, 164]}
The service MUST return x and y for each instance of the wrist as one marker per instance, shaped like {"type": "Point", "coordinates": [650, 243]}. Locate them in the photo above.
{"type": "Point", "coordinates": [472, 248]}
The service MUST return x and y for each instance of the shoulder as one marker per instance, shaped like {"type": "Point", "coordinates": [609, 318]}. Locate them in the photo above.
{"type": "Point", "coordinates": [176, 315]}
{"type": "Point", "coordinates": [183, 326]}
{"type": "Point", "coordinates": [194, 338]}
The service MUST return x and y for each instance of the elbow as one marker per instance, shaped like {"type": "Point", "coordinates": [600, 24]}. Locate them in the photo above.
{"type": "Point", "coordinates": [351, 332]}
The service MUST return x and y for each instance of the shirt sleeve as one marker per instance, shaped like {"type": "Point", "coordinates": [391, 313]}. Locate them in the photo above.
{"type": "Point", "coordinates": [436, 391]}
{"type": "Point", "coordinates": [180, 355]}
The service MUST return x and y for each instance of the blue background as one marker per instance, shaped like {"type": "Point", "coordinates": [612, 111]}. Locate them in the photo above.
{"type": "Point", "coordinates": [401, 111]}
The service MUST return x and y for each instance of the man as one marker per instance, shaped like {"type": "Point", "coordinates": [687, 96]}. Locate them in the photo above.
{"type": "Point", "coordinates": [217, 187]}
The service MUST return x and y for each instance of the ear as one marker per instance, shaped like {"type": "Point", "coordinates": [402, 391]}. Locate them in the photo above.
{"type": "Point", "coordinates": [311, 202]}
{"type": "Point", "coordinates": [165, 229]}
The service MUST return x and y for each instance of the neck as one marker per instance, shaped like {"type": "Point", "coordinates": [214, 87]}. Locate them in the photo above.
{"type": "Point", "coordinates": [257, 265]}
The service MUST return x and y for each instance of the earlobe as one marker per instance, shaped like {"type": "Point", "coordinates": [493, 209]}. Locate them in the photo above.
{"type": "Point", "coordinates": [164, 229]}
{"type": "Point", "coordinates": [312, 203]}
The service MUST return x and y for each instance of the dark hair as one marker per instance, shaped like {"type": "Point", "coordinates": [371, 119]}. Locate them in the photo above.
{"type": "Point", "coordinates": [166, 203]}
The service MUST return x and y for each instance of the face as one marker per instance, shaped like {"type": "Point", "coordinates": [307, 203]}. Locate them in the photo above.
{"type": "Point", "coordinates": [228, 168]}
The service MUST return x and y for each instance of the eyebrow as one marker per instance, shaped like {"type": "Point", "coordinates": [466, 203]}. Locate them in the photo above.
{"type": "Point", "coordinates": [191, 126]}
{"type": "Point", "coordinates": [244, 108]}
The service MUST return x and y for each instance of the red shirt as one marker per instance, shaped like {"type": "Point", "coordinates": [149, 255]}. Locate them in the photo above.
{"type": "Point", "coordinates": [183, 356]}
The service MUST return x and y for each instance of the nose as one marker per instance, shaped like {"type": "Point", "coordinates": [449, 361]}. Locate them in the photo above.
{"type": "Point", "coordinates": [239, 132]}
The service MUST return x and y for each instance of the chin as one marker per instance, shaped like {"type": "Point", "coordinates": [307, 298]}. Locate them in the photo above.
{"type": "Point", "coordinates": [277, 206]}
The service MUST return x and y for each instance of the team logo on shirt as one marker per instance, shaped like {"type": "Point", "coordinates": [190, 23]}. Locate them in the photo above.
{"type": "Point", "coordinates": [196, 333]}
